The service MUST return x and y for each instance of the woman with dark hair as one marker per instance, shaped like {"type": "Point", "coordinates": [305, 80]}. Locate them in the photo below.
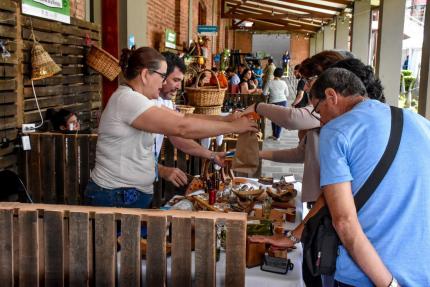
{"type": "Point", "coordinates": [63, 120]}
{"type": "Point", "coordinates": [126, 164]}
{"type": "Point", "coordinates": [247, 85]}
{"type": "Point", "coordinates": [277, 90]}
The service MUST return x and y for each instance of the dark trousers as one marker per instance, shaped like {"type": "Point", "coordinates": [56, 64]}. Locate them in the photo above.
{"type": "Point", "coordinates": [340, 284]}
{"type": "Point", "coordinates": [276, 130]}
{"type": "Point", "coordinates": [310, 281]}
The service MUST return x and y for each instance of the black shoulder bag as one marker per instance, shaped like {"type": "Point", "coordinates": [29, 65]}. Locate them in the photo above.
{"type": "Point", "coordinates": [319, 238]}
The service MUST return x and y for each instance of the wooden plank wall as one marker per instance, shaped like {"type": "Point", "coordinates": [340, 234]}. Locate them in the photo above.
{"type": "Point", "coordinates": [61, 253]}
{"type": "Point", "coordinates": [8, 82]}
{"type": "Point", "coordinates": [76, 87]}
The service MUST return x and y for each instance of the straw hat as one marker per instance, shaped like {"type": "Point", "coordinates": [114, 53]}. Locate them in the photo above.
{"type": "Point", "coordinates": [42, 64]}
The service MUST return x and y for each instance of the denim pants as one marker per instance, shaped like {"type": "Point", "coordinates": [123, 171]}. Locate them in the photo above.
{"type": "Point", "coordinates": [118, 197]}
{"type": "Point", "coordinates": [276, 130]}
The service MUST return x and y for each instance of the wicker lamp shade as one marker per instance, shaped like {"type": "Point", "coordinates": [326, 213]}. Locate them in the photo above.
{"type": "Point", "coordinates": [42, 64]}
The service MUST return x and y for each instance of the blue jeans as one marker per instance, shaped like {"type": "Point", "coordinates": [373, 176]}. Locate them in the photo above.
{"type": "Point", "coordinates": [118, 197]}
{"type": "Point", "coordinates": [276, 130]}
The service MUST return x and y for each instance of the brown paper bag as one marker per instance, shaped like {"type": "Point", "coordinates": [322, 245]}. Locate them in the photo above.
{"type": "Point", "coordinates": [246, 159]}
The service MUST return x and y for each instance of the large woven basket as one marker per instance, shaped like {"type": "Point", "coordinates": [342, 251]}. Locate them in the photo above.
{"type": "Point", "coordinates": [214, 110]}
{"type": "Point", "coordinates": [103, 62]}
{"type": "Point", "coordinates": [184, 109]}
{"type": "Point", "coordinates": [205, 96]}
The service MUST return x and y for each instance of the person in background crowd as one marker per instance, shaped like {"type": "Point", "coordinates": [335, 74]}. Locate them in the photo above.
{"type": "Point", "coordinates": [277, 90]}
{"type": "Point", "coordinates": [247, 85]}
{"type": "Point", "coordinates": [268, 71]}
{"type": "Point", "coordinates": [126, 164]}
{"type": "Point", "coordinates": [223, 82]}
{"type": "Point", "coordinates": [63, 120]}
{"type": "Point", "coordinates": [286, 61]}
{"type": "Point", "coordinates": [258, 73]}
{"type": "Point", "coordinates": [240, 69]}
{"type": "Point", "coordinates": [233, 80]}
{"type": "Point", "coordinates": [302, 98]}
{"type": "Point", "coordinates": [386, 243]}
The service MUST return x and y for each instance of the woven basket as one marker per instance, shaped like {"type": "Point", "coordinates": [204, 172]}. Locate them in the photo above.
{"type": "Point", "coordinates": [205, 96]}
{"type": "Point", "coordinates": [42, 64]}
{"type": "Point", "coordinates": [184, 109]}
{"type": "Point", "coordinates": [216, 110]}
{"type": "Point", "coordinates": [103, 62]}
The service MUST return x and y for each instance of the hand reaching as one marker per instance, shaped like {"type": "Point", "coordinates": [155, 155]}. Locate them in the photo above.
{"type": "Point", "coordinates": [173, 175]}
{"type": "Point", "coordinates": [275, 240]}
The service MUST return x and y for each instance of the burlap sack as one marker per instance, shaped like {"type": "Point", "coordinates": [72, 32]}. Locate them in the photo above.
{"type": "Point", "coordinates": [246, 159]}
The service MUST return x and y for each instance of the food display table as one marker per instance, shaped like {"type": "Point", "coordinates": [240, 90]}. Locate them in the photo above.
{"type": "Point", "coordinates": [255, 276]}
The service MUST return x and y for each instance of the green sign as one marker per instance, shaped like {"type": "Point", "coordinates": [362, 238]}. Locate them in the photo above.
{"type": "Point", "coordinates": [58, 10]}
{"type": "Point", "coordinates": [170, 39]}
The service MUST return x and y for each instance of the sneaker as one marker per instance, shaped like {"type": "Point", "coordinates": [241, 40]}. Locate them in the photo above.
{"type": "Point", "coordinates": [271, 138]}
{"type": "Point", "coordinates": [277, 139]}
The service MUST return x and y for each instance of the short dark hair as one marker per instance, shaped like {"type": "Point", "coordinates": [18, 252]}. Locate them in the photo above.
{"type": "Point", "coordinates": [316, 64]}
{"type": "Point", "coordinates": [367, 76]}
{"type": "Point", "coordinates": [133, 61]}
{"type": "Point", "coordinates": [58, 118]}
{"type": "Point", "coordinates": [230, 70]}
{"type": "Point", "coordinates": [270, 61]}
{"type": "Point", "coordinates": [341, 80]}
{"type": "Point", "coordinates": [296, 67]}
{"type": "Point", "coordinates": [173, 61]}
{"type": "Point", "coordinates": [278, 72]}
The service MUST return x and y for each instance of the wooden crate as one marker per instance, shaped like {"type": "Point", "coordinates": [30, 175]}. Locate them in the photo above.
{"type": "Point", "coordinates": [58, 245]}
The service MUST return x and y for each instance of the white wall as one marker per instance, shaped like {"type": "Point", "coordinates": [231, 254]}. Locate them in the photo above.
{"type": "Point", "coordinates": [273, 44]}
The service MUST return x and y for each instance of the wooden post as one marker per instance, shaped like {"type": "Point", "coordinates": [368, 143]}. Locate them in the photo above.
{"type": "Point", "coordinates": [110, 40]}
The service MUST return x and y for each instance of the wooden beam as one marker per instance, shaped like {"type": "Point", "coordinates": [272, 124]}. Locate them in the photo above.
{"type": "Point", "coordinates": [310, 12]}
{"type": "Point", "coordinates": [232, 10]}
{"type": "Point", "coordinates": [314, 5]}
{"type": "Point", "coordinates": [270, 17]}
{"type": "Point", "coordinates": [344, 2]}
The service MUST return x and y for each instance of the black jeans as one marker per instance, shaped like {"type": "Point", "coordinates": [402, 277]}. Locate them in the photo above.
{"type": "Point", "coordinates": [340, 284]}
{"type": "Point", "coordinates": [276, 130]}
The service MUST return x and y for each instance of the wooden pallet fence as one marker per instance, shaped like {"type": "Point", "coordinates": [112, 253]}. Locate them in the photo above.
{"type": "Point", "coordinates": [61, 245]}
{"type": "Point", "coordinates": [58, 167]}
{"type": "Point", "coordinates": [8, 83]}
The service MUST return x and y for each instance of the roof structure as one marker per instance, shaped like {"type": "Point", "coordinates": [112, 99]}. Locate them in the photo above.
{"type": "Point", "coordinates": [299, 16]}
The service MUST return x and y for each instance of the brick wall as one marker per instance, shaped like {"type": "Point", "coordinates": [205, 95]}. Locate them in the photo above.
{"type": "Point", "coordinates": [77, 9]}
{"type": "Point", "coordinates": [160, 17]}
{"type": "Point", "coordinates": [299, 49]}
{"type": "Point", "coordinates": [243, 41]}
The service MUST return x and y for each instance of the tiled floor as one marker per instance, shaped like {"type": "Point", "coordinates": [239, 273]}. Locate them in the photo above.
{"type": "Point", "coordinates": [289, 139]}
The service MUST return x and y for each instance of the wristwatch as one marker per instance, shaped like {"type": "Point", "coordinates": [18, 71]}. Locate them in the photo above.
{"type": "Point", "coordinates": [394, 283]}
{"type": "Point", "coordinates": [293, 238]}
{"type": "Point", "coordinates": [212, 157]}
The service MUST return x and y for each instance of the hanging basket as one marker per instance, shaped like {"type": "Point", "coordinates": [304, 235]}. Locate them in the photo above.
{"type": "Point", "coordinates": [205, 96]}
{"type": "Point", "coordinates": [41, 63]}
{"type": "Point", "coordinates": [103, 62]}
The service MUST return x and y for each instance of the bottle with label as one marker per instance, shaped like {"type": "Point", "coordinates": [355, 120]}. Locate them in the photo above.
{"type": "Point", "coordinates": [211, 192]}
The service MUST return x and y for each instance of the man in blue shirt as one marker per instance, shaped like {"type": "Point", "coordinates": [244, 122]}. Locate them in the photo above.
{"type": "Point", "coordinates": [388, 241]}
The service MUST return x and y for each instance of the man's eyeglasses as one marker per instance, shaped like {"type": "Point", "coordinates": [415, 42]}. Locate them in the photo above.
{"type": "Point", "coordinates": [163, 75]}
{"type": "Point", "coordinates": [315, 112]}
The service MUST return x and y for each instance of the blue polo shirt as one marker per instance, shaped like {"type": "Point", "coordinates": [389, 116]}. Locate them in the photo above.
{"type": "Point", "coordinates": [396, 219]}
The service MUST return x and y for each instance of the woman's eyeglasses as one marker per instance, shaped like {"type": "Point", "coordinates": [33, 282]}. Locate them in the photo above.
{"type": "Point", "coordinates": [163, 75]}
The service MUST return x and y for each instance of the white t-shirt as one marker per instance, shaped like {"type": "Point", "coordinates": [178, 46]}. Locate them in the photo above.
{"type": "Point", "coordinates": [278, 91]}
{"type": "Point", "coordinates": [159, 137]}
{"type": "Point", "coordinates": [124, 156]}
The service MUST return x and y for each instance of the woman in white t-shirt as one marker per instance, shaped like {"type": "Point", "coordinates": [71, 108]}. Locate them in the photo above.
{"type": "Point", "coordinates": [125, 166]}
{"type": "Point", "coordinates": [277, 90]}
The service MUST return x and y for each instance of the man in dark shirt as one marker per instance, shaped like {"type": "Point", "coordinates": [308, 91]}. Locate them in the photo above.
{"type": "Point", "coordinates": [302, 99]}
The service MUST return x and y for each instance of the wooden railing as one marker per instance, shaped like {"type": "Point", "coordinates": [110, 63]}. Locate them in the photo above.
{"type": "Point", "coordinates": [60, 245]}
